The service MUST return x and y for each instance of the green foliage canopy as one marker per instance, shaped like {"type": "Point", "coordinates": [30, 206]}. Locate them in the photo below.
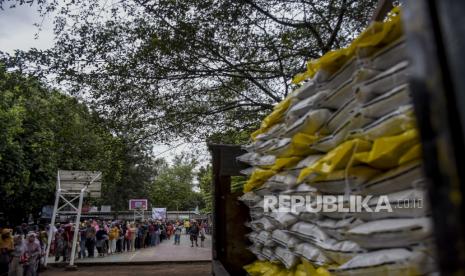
{"type": "Point", "coordinates": [44, 130]}
{"type": "Point", "coordinates": [173, 187]}
{"type": "Point", "coordinates": [186, 68]}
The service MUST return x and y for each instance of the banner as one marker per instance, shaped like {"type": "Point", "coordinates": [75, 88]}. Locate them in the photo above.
{"type": "Point", "coordinates": [159, 213]}
{"type": "Point", "coordinates": [138, 204]}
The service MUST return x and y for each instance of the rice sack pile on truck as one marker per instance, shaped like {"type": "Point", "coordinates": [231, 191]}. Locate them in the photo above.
{"type": "Point", "coordinates": [348, 130]}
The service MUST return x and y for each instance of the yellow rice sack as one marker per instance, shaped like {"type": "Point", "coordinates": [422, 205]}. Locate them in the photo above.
{"type": "Point", "coordinates": [257, 179]}
{"type": "Point", "coordinates": [336, 159]}
{"type": "Point", "coordinates": [387, 151]}
{"type": "Point", "coordinates": [275, 117]}
{"type": "Point", "coordinates": [377, 35]}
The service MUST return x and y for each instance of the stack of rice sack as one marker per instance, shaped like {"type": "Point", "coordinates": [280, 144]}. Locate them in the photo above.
{"type": "Point", "coordinates": [349, 129]}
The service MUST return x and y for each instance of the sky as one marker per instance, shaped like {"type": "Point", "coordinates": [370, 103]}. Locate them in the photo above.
{"type": "Point", "coordinates": [17, 31]}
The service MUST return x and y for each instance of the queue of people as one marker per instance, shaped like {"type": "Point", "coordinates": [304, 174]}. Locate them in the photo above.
{"type": "Point", "coordinates": [22, 249]}
{"type": "Point", "coordinates": [21, 252]}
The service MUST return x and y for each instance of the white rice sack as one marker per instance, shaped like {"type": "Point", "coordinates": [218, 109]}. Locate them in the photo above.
{"type": "Point", "coordinates": [273, 132]}
{"type": "Point", "coordinates": [342, 181]}
{"type": "Point", "coordinates": [248, 172]}
{"type": "Point", "coordinates": [252, 236]}
{"type": "Point", "coordinates": [302, 189]}
{"type": "Point", "coordinates": [275, 186]}
{"type": "Point", "coordinates": [398, 261]}
{"type": "Point", "coordinates": [345, 91]}
{"type": "Point", "coordinates": [256, 249]}
{"type": "Point", "coordinates": [264, 237]}
{"type": "Point", "coordinates": [310, 87]}
{"type": "Point", "coordinates": [404, 177]}
{"type": "Point", "coordinates": [390, 233]}
{"type": "Point", "coordinates": [282, 181]}
{"type": "Point", "coordinates": [383, 82]}
{"type": "Point", "coordinates": [250, 199]}
{"type": "Point", "coordinates": [308, 161]}
{"type": "Point", "coordinates": [344, 74]}
{"type": "Point", "coordinates": [256, 214]}
{"type": "Point", "coordinates": [389, 56]}
{"type": "Point", "coordinates": [291, 180]}
{"type": "Point", "coordinates": [308, 232]}
{"type": "Point", "coordinates": [312, 254]}
{"type": "Point", "coordinates": [265, 161]}
{"type": "Point", "coordinates": [391, 124]}
{"type": "Point", "coordinates": [263, 146]}
{"type": "Point", "coordinates": [254, 227]}
{"type": "Point", "coordinates": [248, 157]}
{"type": "Point", "coordinates": [340, 201]}
{"type": "Point", "coordinates": [307, 90]}
{"type": "Point", "coordinates": [309, 216]}
{"type": "Point", "coordinates": [341, 115]}
{"type": "Point", "coordinates": [279, 146]}
{"type": "Point", "coordinates": [250, 147]}
{"type": "Point", "coordinates": [282, 220]}
{"type": "Point", "coordinates": [321, 77]}
{"type": "Point", "coordinates": [263, 224]}
{"type": "Point", "coordinates": [302, 107]}
{"type": "Point", "coordinates": [340, 251]}
{"type": "Point", "coordinates": [387, 103]}
{"type": "Point", "coordinates": [285, 239]}
{"type": "Point", "coordinates": [428, 246]}
{"type": "Point", "coordinates": [310, 123]}
{"type": "Point", "coordinates": [262, 191]}
{"type": "Point", "coordinates": [405, 204]}
{"type": "Point", "coordinates": [320, 208]}
{"type": "Point", "coordinates": [336, 228]}
{"type": "Point", "coordinates": [268, 253]}
{"type": "Point", "coordinates": [286, 256]}
{"type": "Point", "coordinates": [256, 159]}
{"type": "Point", "coordinates": [337, 215]}
{"type": "Point", "coordinates": [329, 142]}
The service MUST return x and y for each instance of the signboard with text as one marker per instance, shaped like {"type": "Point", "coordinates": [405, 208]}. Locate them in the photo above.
{"type": "Point", "coordinates": [138, 204]}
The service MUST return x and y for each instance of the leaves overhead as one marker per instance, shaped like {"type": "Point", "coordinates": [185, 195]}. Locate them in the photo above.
{"type": "Point", "coordinates": [186, 68]}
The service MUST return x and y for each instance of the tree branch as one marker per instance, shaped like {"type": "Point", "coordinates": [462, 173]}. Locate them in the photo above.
{"type": "Point", "coordinates": [301, 25]}
{"type": "Point", "coordinates": [340, 18]}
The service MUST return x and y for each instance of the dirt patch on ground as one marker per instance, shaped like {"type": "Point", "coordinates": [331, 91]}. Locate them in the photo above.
{"type": "Point", "coordinates": [137, 270]}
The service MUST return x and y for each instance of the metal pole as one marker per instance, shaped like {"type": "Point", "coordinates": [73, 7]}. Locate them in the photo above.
{"type": "Point", "coordinates": [52, 222]}
{"type": "Point", "coordinates": [76, 226]}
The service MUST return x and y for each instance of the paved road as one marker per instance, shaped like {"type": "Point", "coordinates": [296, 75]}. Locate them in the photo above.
{"type": "Point", "coordinates": [165, 252]}
{"type": "Point", "coordinates": [193, 269]}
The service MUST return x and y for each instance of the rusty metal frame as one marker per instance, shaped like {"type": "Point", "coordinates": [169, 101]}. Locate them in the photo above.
{"type": "Point", "coordinates": [229, 246]}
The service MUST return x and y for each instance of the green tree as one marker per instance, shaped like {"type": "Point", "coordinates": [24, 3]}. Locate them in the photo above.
{"type": "Point", "coordinates": [173, 187]}
{"type": "Point", "coordinates": [206, 190]}
{"type": "Point", "coordinates": [44, 130]}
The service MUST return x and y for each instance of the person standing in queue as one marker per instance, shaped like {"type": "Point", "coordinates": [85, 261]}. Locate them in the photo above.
{"type": "Point", "coordinates": [177, 233]}
{"type": "Point", "coordinates": [194, 234]}
{"type": "Point", "coordinates": [90, 240]}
